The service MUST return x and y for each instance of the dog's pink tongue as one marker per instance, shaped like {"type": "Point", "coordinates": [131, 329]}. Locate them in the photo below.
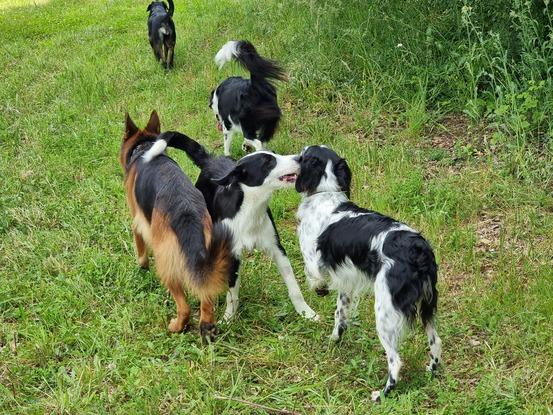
{"type": "Point", "coordinates": [219, 126]}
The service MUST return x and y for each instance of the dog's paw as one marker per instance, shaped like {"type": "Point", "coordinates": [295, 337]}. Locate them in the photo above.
{"type": "Point", "coordinates": [144, 262]}
{"type": "Point", "coordinates": [335, 337]}
{"type": "Point", "coordinates": [322, 291]}
{"type": "Point", "coordinates": [176, 325]}
{"type": "Point", "coordinates": [375, 396]}
{"type": "Point", "coordinates": [208, 331]}
{"type": "Point", "coordinates": [433, 365]}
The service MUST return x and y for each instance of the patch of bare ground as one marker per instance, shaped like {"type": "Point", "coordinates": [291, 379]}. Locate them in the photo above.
{"type": "Point", "coordinates": [488, 232]}
{"type": "Point", "coordinates": [454, 279]}
{"type": "Point", "coordinates": [456, 129]}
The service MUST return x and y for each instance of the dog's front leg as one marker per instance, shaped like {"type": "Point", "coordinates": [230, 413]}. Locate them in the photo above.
{"type": "Point", "coordinates": [276, 251]}
{"type": "Point", "coordinates": [227, 140]}
{"type": "Point", "coordinates": [232, 294]}
{"type": "Point", "coordinates": [341, 315]}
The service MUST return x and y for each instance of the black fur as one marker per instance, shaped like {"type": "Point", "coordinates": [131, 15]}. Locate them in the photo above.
{"type": "Point", "coordinates": [161, 31]}
{"type": "Point", "coordinates": [220, 178]}
{"type": "Point", "coordinates": [351, 237]}
{"type": "Point", "coordinates": [181, 202]}
{"type": "Point", "coordinates": [251, 102]}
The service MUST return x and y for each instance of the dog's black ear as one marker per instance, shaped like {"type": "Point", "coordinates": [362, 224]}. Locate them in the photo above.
{"type": "Point", "coordinates": [311, 173]}
{"type": "Point", "coordinates": [153, 125]}
{"type": "Point", "coordinates": [232, 177]}
{"type": "Point", "coordinates": [130, 126]}
{"type": "Point", "coordinates": [343, 175]}
{"type": "Point", "coordinates": [165, 6]}
{"type": "Point", "coordinates": [150, 7]}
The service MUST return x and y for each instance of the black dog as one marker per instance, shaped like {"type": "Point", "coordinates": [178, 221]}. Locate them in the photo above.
{"type": "Point", "coordinates": [248, 106]}
{"type": "Point", "coordinates": [161, 31]}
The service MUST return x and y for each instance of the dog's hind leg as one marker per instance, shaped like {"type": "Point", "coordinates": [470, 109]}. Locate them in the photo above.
{"type": "Point", "coordinates": [180, 322]}
{"type": "Point", "coordinates": [141, 250]}
{"type": "Point", "coordinates": [170, 54]}
{"type": "Point", "coordinates": [435, 344]}
{"type": "Point", "coordinates": [389, 325]}
{"type": "Point", "coordinates": [341, 315]}
{"type": "Point", "coordinates": [208, 329]}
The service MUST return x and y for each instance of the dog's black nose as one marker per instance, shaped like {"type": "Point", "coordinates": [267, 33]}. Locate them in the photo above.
{"type": "Point", "coordinates": [322, 291]}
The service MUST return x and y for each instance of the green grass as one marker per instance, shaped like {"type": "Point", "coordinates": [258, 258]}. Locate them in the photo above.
{"type": "Point", "coordinates": [83, 330]}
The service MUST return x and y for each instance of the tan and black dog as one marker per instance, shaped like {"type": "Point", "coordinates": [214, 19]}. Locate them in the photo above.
{"type": "Point", "coordinates": [171, 218]}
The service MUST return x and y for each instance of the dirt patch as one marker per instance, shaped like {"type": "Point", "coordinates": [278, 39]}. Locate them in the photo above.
{"type": "Point", "coordinates": [455, 130]}
{"type": "Point", "coordinates": [488, 232]}
{"type": "Point", "coordinates": [455, 280]}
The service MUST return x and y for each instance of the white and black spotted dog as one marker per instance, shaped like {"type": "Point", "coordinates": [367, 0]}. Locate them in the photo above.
{"type": "Point", "coordinates": [238, 195]}
{"type": "Point", "coordinates": [359, 248]}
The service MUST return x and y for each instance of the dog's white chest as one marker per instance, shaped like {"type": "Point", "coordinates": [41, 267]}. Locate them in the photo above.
{"type": "Point", "coordinates": [315, 213]}
{"type": "Point", "coordinates": [247, 228]}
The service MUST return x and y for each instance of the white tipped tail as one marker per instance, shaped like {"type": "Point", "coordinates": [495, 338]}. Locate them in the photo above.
{"type": "Point", "coordinates": [226, 53]}
{"type": "Point", "coordinates": [154, 151]}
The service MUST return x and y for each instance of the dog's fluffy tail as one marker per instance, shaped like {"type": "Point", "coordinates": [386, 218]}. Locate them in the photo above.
{"type": "Point", "coordinates": [171, 8]}
{"type": "Point", "coordinates": [429, 303]}
{"type": "Point", "coordinates": [195, 151]}
{"type": "Point", "coordinates": [245, 53]}
{"type": "Point", "coordinates": [212, 270]}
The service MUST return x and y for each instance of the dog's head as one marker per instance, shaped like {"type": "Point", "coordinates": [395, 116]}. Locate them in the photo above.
{"type": "Point", "coordinates": [134, 135]}
{"type": "Point", "coordinates": [322, 170]}
{"type": "Point", "coordinates": [155, 4]}
{"type": "Point", "coordinates": [262, 171]}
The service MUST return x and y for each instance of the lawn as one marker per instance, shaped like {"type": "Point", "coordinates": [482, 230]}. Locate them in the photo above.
{"type": "Point", "coordinates": [83, 329]}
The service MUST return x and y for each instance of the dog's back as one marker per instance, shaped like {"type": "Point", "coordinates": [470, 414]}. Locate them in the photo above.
{"type": "Point", "coordinates": [170, 216]}
{"type": "Point", "coordinates": [161, 31]}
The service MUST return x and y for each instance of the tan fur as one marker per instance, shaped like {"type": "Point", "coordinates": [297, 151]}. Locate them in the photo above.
{"type": "Point", "coordinates": [171, 264]}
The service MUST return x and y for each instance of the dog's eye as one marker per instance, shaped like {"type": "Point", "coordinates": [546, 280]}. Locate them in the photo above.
{"type": "Point", "coordinates": [300, 159]}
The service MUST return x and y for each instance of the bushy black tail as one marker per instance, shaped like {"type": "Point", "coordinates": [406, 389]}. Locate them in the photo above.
{"type": "Point", "coordinates": [171, 8]}
{"type": "Point", "coordinates": [245, 53]}
{"type": "Point", "coordinates": [195, 151]}
{"type": "Point", "coordinates": [429, 303]}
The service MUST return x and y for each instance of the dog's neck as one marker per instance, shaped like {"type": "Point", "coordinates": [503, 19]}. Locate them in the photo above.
{"type": "Point", "coordinates": [256, 200]}
{"type": "Point", "coordinates": [138, 150]}
{"type": "Point", "coordinates": [325, 202]}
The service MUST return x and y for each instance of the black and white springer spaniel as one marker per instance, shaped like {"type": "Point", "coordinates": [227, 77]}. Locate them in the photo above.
{"type": "Point", "coordinates": [359, 248]}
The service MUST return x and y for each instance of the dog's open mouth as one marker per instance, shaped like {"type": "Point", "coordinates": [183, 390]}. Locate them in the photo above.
{"type": "Point", "coordinates": [289, 178]}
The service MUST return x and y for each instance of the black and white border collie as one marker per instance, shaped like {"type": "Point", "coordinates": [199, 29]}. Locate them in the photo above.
{"type": "Point", "coordinates": [248, 106]}
{"type": "Point", "coordinates": [359, 248]}
{"type": "Point", "coordinates": [238, 194]}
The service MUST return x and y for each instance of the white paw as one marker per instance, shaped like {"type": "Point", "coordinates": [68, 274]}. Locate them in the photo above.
{"type": "Point", "coordinates": [310, 315]}
{"type": "Point", "coordinates": [335, 337]}
{"type": "Point", "coordinates": [375, 396]}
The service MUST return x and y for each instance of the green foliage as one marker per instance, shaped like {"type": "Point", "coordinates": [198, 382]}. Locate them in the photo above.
{"type": "Point", "coordinates": [83, 330]}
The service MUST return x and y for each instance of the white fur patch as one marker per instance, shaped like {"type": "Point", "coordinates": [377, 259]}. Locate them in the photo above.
{"type": "Point", "coordinates": [154, 151]}
{"type": "Point", "coordinates": [226, 53]}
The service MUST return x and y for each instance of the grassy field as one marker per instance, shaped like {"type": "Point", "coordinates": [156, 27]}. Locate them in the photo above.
{"type": "Point", "coordinates": [83, 329]}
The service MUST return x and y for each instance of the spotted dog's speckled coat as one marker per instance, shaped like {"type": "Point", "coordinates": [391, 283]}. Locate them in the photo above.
{"type": "Point", "coordinates": [238, 194]}
{"type": "Point", "coordinates": [359, 248]}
